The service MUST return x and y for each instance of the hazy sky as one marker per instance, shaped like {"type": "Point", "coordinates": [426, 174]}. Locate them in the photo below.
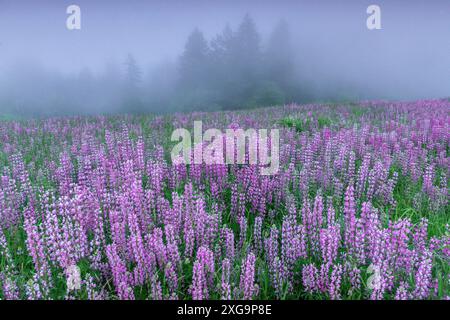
{"type": "Point", "coordinates": [413, 47]}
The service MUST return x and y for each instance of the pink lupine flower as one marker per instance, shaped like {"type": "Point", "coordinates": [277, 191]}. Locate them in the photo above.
{"type": "Point", "coordinates": [247, 282]}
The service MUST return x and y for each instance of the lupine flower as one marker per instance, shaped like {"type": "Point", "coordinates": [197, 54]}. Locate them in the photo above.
{"type": "Point", "coordinates": [309, 278]}
{"type": "Point", "coordinates": [329, 243]}
{"type": "Point", "coordinates": [423, 276]}
{"type": "Point", "coordinates": [9, 288]}
{"type": "Point", "coordinates": [226, 288]}
{"type": "Point", "coordinates": [247, 282]}
{"type": "Point", "coordinates": [228, 241]}
{"type": "Point", "coordinates": [350, 219]}
{"type": "Point", "coordinates": [203, 272]}
{"type": "Point", "coordinates": [335, 282]}
{"type": "Point", "coordinates": [102, 194]}
{"type": "Point", "coordinates": [73, 278]}
{"type": "Point", "coordinates": [402, 292]}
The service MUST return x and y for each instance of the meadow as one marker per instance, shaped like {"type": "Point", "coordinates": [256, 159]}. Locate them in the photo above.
{"type": "Point", "coordinates": [92, 207]}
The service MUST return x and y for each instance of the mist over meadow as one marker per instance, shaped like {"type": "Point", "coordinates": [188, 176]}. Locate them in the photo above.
{"type": "Point", "coordinates": [169, 56]}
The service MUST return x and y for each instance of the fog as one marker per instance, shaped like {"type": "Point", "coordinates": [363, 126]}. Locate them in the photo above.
{"type": "Point", "coordinates": [166, 56]}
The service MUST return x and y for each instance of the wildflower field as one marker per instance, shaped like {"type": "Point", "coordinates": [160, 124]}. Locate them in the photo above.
{"type": "Point", "coordinates": [93, 208]}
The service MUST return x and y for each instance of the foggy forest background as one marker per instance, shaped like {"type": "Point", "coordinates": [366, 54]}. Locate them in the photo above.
{"type": "Point", "coordinates": [236, 69]}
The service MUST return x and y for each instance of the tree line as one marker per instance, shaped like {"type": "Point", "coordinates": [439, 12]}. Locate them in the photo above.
{"type": "Point", "coordinates": [235, 69]}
